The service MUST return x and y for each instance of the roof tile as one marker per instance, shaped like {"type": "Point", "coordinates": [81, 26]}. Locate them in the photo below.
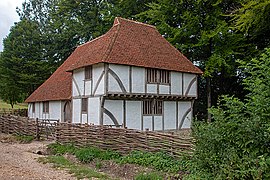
{"type": "Point", "coordinates": [128, 43]}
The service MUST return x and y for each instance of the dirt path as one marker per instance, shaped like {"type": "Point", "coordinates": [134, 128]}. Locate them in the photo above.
{"type": "Point", "coordinates": [18, 162]}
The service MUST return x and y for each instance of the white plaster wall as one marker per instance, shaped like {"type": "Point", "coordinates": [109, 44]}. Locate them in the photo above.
{"type": "Point", "coordinates": [78, 78]}
{"type": "Point", "coordinates": [152, 88]}
{"type": "Point", "coordinates": [164, 89]}
{"type": "Point", "coordinates": [123, 73]}
{"type": "Point", "coordinates": [30, 113]}
{"type": "Point", "coordinates": [157, 123]}
{"type": "Point", "coordinates": [88, 87]}
{"type": "Point", "coordinates": [42, 114]}
{"type": "Point", "coordinates": [183, 106]}
{"type": "Point", "coordinates": [93, 110]}
{"type": "Point", "coordinates": [55, 110]}
{"type": "Point", "coordinates": [176, 83]}
{"type": "Point", "coordinates": [62, 110]}
{"type": "Point", "coordinates": [84, 118]}
{"type": "Point", "coordinates": [147, 123]}
{"type": "Point", "coordinates": [138, 80]}
{"type": "Point", "coordinates": [38, 109]}
{"type": "Point", "coordinates": [169, 115]}
{"type": "Point", "coordinates": [76, 110]}
{"type": "Point", "coordinates": [113, 85]}
{"type": "Point", "coordinates": [97, 70]}
{"type": "Point", "coordinates": [116, 108]}
{"type": "Point", "coordinates": [133, 114]}
{"type": "Point", "coordinates": [187, 79]}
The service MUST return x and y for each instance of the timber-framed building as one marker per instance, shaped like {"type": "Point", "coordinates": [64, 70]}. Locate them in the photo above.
{"type": "Point", "coordinates": [131, 77]}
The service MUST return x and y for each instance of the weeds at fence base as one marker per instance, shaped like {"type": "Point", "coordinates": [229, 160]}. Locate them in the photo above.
{"type": "Point", "coordinates": [78, 171]}
{"type": "Point", "coordinates": [24, 138]}
{"type": "Point", "coordinates": [158, 162]}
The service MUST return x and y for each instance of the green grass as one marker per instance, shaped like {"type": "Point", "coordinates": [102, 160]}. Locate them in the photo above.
{"type": "Point", "coordinates": [24, 138]}
{"type": "Point", "coordinates": [158, 161]}
{"type": "Point", "coordinates": [148, 176]}
{"type": "Point", "coordinates": [16, 106]}
{"type": "Point", "coordinates": [78, 171]}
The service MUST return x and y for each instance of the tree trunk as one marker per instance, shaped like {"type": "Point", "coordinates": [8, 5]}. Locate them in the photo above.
{"type": "Point", "coordinates": [208, 91]}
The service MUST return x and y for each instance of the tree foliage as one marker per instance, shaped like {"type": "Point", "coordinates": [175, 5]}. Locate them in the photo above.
{"type": "Point", "coordinates": [202, 31]}
{"type": "Point", "coordinates": [237, 144]}
{"type": "Point", "coordinates": [22, 65]}
{"type": "Point", "coordinates": [253, 19]}
{"type": "Point", "coordinates": [213, 34]}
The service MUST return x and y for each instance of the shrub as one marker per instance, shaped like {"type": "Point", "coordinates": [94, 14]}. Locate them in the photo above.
{"type": "Point", "coordinates": [237, 144]}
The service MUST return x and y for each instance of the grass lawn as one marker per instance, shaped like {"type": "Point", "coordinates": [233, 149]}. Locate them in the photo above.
{"type": "Point", "coordinates": [16, 106]}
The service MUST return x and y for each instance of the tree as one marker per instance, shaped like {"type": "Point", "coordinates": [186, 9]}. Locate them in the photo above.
{"type": "Point", "coordinates": [202, 31]}
{"type": "Point", "coordinates": [237, 144]}
{"type": "Point", "coordinates": [253, 19]}
{"type": "Point", "coordinates": [22, 64]}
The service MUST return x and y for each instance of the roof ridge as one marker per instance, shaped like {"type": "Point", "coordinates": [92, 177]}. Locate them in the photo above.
{"type": "Point", "coordinates": [134, 21]}
{"type": "Point", "coordinates": [91, 40]}
{"type": "Point", "coordinates": [110, 46]}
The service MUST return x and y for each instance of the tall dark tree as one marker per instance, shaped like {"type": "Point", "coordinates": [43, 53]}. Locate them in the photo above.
{"type": "Point", "coordinates": [22, 64]}
{"type": "Point", "coordinates": [253, 19]}
{"type": "Point", "coordinates": [202, 31]}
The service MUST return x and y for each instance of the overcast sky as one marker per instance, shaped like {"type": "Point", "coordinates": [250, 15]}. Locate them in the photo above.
{"type": "Point", "coordinates": [8, 16]}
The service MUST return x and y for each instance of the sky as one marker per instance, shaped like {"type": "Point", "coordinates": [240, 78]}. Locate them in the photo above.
{"type": "Point", "coordinates": [8, 16]}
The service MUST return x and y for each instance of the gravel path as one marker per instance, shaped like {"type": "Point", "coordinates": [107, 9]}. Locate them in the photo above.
{"type": "Point", "coordinates": [18, 162]}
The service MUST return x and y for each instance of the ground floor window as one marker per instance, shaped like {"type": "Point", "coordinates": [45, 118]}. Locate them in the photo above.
{"type": "Point", "coordinates": [46, 107]}
{"type": "Point", "coordinates": [33, 107]}
{"type": "Point", "coordinates": [84, 105]}
{"type": "Point", "coordinates": [152, 107]}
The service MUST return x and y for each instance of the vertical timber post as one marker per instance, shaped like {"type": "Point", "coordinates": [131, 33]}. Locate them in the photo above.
{"type": "Point", "coordinates": [37, 130]}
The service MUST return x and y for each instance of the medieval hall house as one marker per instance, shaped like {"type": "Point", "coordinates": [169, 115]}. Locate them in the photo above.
{"type": "Point", "coordinates": [130, 76]}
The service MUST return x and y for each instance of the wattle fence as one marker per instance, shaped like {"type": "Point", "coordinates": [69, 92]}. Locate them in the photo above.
{"type": "Point", "coordinates": [104, 137]}
{"type": "Point", "coordinates": [17, 112]}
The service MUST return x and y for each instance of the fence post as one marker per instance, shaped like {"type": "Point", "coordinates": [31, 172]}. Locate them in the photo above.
{"type": "Point", "coordinates": [146, 138]}
{"type": "Point", "coordinates": [37, 130]}
{"type": "Point", "coordinates": [171, 142]}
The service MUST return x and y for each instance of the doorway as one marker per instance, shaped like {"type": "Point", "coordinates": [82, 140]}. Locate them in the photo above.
{"type": "Point", "coordinates": [67, 112]}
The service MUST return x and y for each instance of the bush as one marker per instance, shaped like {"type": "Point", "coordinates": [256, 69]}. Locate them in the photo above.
{"type": "Point", "coordinates": [237, 144]}
{"type": "Point", "coordinates": [160, 161]}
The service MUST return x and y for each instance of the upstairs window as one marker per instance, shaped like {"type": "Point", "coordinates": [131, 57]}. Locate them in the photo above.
{"type": "Point", "coordinates": [157, 76]}
{"type": "Point", "coordinates": [33, 108]}
{"type": "Point", "coordinates": [88, 72]}
{"type": "Point", "coordinates": [46, 107]}
{"type": "Point", "coordinates": [164, 77]}
{"type": "Point", "coordinates": [84, 105]}
{"type": "Point", "coordinates": [152, 107]}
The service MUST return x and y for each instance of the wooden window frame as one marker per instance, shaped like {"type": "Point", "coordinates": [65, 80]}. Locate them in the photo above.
{"type": "Point", "coordinates": [152, 107]}
{"type": "Point", "coordinates": [164, 77]}
{"type": "Point", "coordinates": [33, 107]}
{"type": "Point", "coordinates": [88, 73]}
{"type": "Point", "coordinates": [84, 105]}
{"type": "Point", "coordinates": [46, 106]}
{"type": "Point", "coordinates": [158, 76]}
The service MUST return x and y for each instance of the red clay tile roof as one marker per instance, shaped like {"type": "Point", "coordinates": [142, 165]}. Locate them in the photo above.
{"type": "Point", "coordinates": [128, 43]}
{"type": "Point", "coordinates": [57, 87]}
{"type": "Point", "coordinates": [132, 43]}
